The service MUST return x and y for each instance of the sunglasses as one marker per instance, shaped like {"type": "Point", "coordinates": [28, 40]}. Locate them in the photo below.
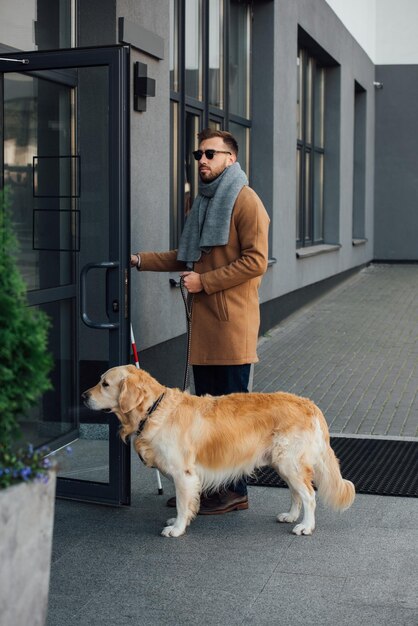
{"type": "Point", "coordinates": [209, 154]}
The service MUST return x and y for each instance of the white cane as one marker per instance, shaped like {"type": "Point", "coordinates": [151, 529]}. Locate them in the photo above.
{"type": "Point", "coordinates": [136, 359]}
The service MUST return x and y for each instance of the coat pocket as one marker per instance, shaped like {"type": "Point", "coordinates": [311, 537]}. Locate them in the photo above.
{"type": "Point", "coordinates": [222, 306]}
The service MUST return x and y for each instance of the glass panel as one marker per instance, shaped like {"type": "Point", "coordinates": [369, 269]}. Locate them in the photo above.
{"type": "Point", "coordinates": [174, 43]}
{"type": "Point", "coordinates": [239, 58]}
{"type": "Point", "coordinates": [215, 53]}
{"type": "Point", "coordinates": [308, 103]}
{"type": "Point", "coordinates": [242, 134]}
{"type": "Point", "coordinates": [298, 199]}
{"type": "Point", "coordinates": [299, 97]}
{"type": "Point", "coordinates": [90, 456]}
{"type": "Point", "coordinates": [191, 166]}
{"type": "Point", "coordinates": [174, 178]}
{"type": "Point", "coordinates": [36, 25]}
{"type": "Point", "coordinates": [193, 45]}
{"type": "Point", "coordinates": [319, 112]}
{"type": "Point", "coordinates": [72, 204]}
{"type": "Point", "coordinates": [54, 414]}
{"type": "Point", "coordinates": [359, 162]}
{"type": "Point", "coordinates": [31, 104]}
{"type": "Point", "coordinates": [215, 125]}
{"type": "Point", "coordinates": [308, 207]}
{"type": "Point", "coordinates": [318, 199]}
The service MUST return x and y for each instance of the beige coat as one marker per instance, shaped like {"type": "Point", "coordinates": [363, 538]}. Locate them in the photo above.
{"type": "Point", "coordinates": [226, 314]}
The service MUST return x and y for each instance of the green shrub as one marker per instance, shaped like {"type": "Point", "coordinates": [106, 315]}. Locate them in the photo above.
{"type": "Point", "coordinates": [25, 363]}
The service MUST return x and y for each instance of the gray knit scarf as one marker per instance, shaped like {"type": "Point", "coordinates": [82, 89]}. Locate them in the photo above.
{"type": "Point", "coordinates": [209, 220]}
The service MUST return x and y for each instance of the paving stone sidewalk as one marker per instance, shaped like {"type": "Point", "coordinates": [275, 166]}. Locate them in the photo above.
{"type": "Point", "coordinates": [354, 352]}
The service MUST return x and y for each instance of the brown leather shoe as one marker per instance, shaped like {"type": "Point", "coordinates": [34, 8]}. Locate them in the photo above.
{"type": "Point", "coordinates": [224, 502]}
{"type": "Point", "coordinates": [217, 503]}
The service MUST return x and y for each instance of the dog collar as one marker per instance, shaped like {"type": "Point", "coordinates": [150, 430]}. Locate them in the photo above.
{"type": "Point", "coordinates": [150, 411]}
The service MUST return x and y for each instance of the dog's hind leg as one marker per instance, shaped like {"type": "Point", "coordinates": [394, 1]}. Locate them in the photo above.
{"type": "Point", "coordinates": [299, 479]}
{"type": "Point", "coordinates": [295, 507]}
{"type": "Point", "coordinates": [188, 489]}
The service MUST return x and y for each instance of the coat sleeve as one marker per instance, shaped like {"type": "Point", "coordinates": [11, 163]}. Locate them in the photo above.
{"type": "Point", "coordinates": [161, 262]}
{"type": "Point", "coordinates": [252, 223]}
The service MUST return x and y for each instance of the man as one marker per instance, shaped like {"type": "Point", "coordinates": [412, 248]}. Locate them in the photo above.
{"type": "Point", "coordinates": [222, 256]}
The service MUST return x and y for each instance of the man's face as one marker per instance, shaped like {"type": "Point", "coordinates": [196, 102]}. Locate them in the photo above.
{"type": "Point", "coordinates": [209, 169]}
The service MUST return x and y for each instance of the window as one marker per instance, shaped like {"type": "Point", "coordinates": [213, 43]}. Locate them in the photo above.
{"type": "Point", "coordinates": [310, 149]}
{"type": "Point", "coordinates": [209, 87]}
{"type": "Point", "coordinates": [359, 176]}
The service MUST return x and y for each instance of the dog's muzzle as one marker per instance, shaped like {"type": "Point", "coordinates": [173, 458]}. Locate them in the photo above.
{"type": "Point", "coordinates": [90, 405]}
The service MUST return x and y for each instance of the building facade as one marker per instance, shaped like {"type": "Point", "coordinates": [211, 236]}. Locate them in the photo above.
{"type": "Point", "coordinates": [102, 102]}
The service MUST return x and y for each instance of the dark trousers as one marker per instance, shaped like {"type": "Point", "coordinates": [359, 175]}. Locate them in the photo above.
{"type": "Point", "coordinates": [218, 380]}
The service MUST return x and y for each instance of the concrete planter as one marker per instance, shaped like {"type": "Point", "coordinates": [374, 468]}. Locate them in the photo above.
{"type": "Point", "coordinates": [26, 524]}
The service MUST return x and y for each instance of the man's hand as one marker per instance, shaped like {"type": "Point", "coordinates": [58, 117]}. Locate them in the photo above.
{"type": "Point", "coordinates": [192, 282]}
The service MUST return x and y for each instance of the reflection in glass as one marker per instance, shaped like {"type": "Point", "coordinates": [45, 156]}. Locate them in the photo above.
{"type": "Point", "coordinates": [298, 198]}
{"type": "Point", "coordinates": [88, 458]}
{"type": "Point", "coordinates": [299, 96]}
{"type": "Point", "coordinates": [215, 125]}
{"type": "Point", "coordinates": [215, 53]}
{"type": "Point", "coordinates": [318, 209]}
{"type": "Point", "coordinates": [31, 104]}
{"type": "Point", "coordinates": [174, 167]}
{"type": "Point", "coordinates": [241, 134]}
{"type": "Point", "coordinates": [319, 106]}
{"type": "Point", "coordinates": [56, 176]}
{"type": "Point", "coordinates": [54, 415]}
{"type": "Point", "coordinates": [193, 49]}
{"type": "Point", "coordinates": [359, 162]}
{"type": "Point", "coordinates": [308, 102]}
{"type": "Point", "coordinates": [239, 58]}
{"type": "Point", "coordinates": [174, 46]}
{"type": "Point", "coordinates": [191, 166]}
{"type": "Point", "coordinates": [307, 196]}
{"type": "Point", "coordinates": [35, 25]}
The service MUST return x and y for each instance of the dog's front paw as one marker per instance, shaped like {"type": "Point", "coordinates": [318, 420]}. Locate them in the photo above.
{"type": "Point", "coordinates": [172, 531]}
{"type": "Point", "coordinates": [286, 517]}
{"type": "Point", "coordinates": [302, 529]}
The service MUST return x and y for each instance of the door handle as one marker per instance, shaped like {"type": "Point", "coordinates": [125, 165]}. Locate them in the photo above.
{"type": "Point", "coordinates": [83, 294]}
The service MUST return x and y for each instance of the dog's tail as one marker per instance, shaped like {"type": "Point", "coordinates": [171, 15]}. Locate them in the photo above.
{"type": "Point", "coordinates": [333, 489]}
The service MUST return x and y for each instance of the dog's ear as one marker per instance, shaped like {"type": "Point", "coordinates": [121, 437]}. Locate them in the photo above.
{"type": "Point", "coordinates": [130, 395]}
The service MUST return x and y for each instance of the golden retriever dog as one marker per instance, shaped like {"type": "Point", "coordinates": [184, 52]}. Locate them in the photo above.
{"type": "Point", "coordinates": [202, 443]}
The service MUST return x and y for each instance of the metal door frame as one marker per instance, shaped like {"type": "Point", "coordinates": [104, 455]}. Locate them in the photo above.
{"type": "Point", "coordinates": [60, 63]}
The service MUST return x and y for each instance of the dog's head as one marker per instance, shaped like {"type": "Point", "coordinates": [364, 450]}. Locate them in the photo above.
{"type": "Point", "coordinates": [126, 391]}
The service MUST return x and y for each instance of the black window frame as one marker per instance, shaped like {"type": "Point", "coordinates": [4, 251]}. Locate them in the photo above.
{"type": "Point", "coordinates": [306, 208]}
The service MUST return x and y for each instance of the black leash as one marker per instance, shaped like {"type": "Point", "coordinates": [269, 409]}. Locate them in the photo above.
{"type": "Point", "coordinates": [150, 411]}
{"type": "Point", "coordinates": [188, 305]}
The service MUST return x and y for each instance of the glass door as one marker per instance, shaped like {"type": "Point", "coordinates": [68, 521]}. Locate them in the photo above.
{"type": "Point", "coordinates": [65, 164]}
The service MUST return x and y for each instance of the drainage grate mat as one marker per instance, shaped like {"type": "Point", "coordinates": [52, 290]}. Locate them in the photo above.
{"type": "Point", "coordinates": [375, 466]}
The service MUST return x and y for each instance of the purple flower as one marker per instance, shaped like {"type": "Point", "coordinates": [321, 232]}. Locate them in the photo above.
{"type": "Point", "coordinates": [25, 473]}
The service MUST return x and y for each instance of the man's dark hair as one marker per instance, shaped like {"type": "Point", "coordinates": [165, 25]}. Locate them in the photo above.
{"type": "Point", "coordinates": [228, 138]}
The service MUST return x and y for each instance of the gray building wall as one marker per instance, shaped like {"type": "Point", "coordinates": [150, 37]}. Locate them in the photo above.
{"type": "Point", "coordinates": [396, 192]}
{"type": "Point", "coordinates": [157, 309]}
{"type": "Point", "coordinates": [292, 273]}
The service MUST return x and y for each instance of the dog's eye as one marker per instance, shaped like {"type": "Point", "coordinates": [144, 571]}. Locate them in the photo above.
{"type": "Point", "coordinates": [105, 384]}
